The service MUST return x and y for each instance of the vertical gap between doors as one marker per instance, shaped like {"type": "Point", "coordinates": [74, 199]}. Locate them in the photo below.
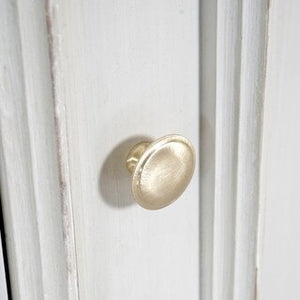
{"type": "Point", "coordinates": [4, 251]}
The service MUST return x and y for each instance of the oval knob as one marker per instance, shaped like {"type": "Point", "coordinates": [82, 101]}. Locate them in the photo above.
{"type": "Point", "coordinates": [161, 170]}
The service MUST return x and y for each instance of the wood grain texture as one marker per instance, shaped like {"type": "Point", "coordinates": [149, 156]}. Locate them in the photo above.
{"type": "Point", "coordinates": [279, 262]}
{"type": "Point", "coordinates": [128, 70]}
{"type": "Point", "coordinates": [29, 169]}
{"type": "Point", "coordinates": [3, 287]}
{"type": "Point", "coordinates": [231, 106]}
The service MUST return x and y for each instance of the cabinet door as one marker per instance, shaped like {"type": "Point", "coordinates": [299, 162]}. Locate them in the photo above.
{"type": "Point", "coordinates": [126, 72]}
{"type": "Point", "coordinates": [279, 263]}
{"type": "Point", "coordinates": [85, 81]}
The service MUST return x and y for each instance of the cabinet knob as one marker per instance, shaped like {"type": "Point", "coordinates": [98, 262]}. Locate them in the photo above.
{"type": "Point", "coordinates": [161, 170]}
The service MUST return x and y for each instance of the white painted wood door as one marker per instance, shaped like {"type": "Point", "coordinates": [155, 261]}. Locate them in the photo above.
{"type": "Point", "coordinates": [124, 71]}
{"type": "Point", "coordinates": [81, 82]}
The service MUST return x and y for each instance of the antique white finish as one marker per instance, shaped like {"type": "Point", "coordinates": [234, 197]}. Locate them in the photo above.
{"type": "Point", "coordinates": [66, 123]}
{"type": "Point", "coordinates": [279, 263]}
{"type": "Point", "coordinates": [112, 61]}
{"type": "Point", "coordinates": [30, 189]}
{"type": "Point", "coordinates": [233, 61]}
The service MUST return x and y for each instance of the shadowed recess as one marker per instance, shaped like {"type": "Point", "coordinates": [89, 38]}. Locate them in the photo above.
{"type": "Point", "coordinates": [114, 179]}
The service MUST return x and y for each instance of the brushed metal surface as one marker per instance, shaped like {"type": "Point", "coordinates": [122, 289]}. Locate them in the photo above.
{"type": "Point", "coordinates": [160, 170]}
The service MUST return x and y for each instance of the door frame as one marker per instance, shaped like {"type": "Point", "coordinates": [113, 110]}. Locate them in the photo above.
{"type": "Point", "coordinates": [233, 55]}
{"type": "Point", "coordinates": [38, 218]}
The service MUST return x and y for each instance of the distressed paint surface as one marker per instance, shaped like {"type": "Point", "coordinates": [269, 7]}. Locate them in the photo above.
{"type": "Point", "coordinates": [97, 76]}
{"type": "Point", "coordinates": [279, 264]}
{"type": "Point", "coordinates": [233, 51]}
{"type": "Point", "coordinates": [127, 70]}
{"type": "Point", "coordinates": [30, 190]}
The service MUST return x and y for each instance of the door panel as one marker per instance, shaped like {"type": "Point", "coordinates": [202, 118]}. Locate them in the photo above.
{"type": "Point", "coordinates": [128, 71]}
{"type": "Point", "coordinates": [113, 73]}
{"type": "Point", "coordinates": [280, 227]}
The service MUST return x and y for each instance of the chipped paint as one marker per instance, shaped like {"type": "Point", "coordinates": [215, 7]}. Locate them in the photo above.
{"type": "Point", "coordinates": [54, 40]}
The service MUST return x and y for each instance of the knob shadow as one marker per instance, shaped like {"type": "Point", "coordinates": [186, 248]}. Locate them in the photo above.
{"type": "Point", "coordinates": [114, 179]}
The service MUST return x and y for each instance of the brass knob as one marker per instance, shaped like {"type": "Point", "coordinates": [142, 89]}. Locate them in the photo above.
{"type": "Point", "coordinates": [161, 170]}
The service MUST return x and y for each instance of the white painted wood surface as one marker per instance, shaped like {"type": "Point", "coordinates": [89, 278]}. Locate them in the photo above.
{"type": "Point", "coordinates": [125, 70]}
{"type": "Point", "coordinates": [233, 38]}
{"type": "Point", "coordinates": [279, 262]}
{"type": "Point", "coordinates": [30, 188]}
{"type": "Point", "coordinates": [118, 72]}
{"type": "Point", "coordinates": [3, 287]}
